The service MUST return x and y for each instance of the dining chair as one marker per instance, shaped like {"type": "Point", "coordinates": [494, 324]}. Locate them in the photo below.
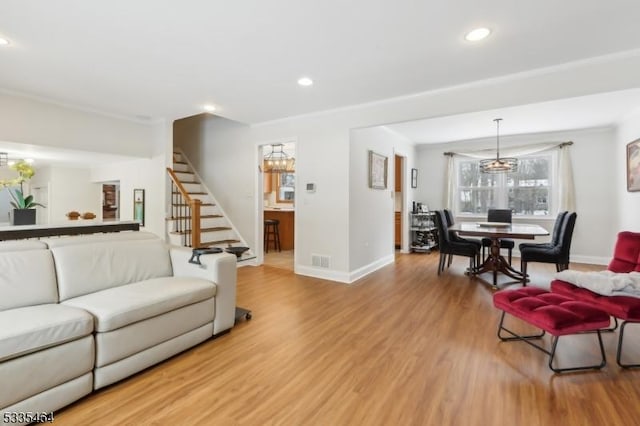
{"type": "Point", "coordinates": [558, 254]}
{"type": "Point", "coordinates": [555, 234]}
{"type": "Point", "coordinates": [499, 215]}
{"type": "Point", "coordinates": [449, 247]}
{"type": "Point", "coordinates": [455, 237]}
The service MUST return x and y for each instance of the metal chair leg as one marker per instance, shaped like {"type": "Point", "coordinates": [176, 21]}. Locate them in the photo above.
{"type": "Point", "coordinates": [619, 352]}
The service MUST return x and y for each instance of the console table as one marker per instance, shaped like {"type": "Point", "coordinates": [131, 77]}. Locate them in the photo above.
{"type": "Point", "coordinates": [79, 227]}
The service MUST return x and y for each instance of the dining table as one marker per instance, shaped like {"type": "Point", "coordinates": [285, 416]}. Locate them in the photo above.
{"type": "Point", "coordinates": [495, 263]}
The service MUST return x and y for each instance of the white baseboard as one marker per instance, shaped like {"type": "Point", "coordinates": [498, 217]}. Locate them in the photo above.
{"type": "Point", "coordinates": [325, 274]}
{"type": "Point", "coordinates": [343, 277]}
{"type": "Point", "coordinates": [593, 260]}
{"type": "Point", "coordinates": [374, 266]}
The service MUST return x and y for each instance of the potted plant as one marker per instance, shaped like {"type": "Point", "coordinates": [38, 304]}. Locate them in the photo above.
{"type": "Point", "coordinates": [23, 207]}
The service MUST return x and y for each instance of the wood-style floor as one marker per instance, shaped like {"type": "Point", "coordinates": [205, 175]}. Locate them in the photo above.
{"type": "Point", "coordinates": [402, 346]}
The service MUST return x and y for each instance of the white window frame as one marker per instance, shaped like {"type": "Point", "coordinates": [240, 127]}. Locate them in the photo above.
{"type": "Point", "coordinates": [502, 188]}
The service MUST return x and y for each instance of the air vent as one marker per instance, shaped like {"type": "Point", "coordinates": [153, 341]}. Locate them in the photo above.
{"type": "Point", "coordinates": [320, 261]}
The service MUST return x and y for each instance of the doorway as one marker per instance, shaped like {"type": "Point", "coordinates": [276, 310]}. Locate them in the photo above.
{"type": "Point", "coordinates": [398, 206]}
{"type": "Point", "coordinates": [277, 178]}
{"type": "Point", "coordinates": [111, 201]}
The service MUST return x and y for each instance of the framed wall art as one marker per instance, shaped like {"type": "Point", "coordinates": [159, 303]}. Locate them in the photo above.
{"type": "Point", "coordinates": [138, 206]}
{"type": "Point", "coordinates": [377, 171]}
{"type": "Point", "coordinates": [633, 166]}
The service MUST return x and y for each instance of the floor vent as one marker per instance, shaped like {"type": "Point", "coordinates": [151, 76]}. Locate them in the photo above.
{"type": "Point", "coordinates": [320, 261]}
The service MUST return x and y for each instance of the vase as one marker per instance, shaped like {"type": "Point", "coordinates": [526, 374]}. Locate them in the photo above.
{"type": "Point", "coordinates": [24, 217]}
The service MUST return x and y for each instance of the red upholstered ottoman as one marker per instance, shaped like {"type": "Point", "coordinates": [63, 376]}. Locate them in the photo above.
{"type": "Point", "coordinates": [555, 314]}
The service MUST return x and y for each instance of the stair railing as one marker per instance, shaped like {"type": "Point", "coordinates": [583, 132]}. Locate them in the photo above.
{"type": "Point", "coordinates": [185, 212]}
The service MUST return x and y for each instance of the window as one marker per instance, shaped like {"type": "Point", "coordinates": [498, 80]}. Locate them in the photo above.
{"type": "Point", "coordinates": [528, 192]}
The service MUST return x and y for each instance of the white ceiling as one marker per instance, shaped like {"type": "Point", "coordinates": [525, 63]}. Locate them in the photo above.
{"type": "Point", "coordinates": [602, 110]}
{"type": "Point", "coordinates": [51, 156]}
{"type": "Point", "coordinates": [165, 59]}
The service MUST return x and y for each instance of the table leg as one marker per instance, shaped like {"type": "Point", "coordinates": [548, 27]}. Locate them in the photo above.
{"type": "Point", "coordinates": [495, 263]}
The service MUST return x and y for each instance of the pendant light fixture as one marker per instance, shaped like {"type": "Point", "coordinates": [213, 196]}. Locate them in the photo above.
{"type": "Point", "coordinates": [498, 165]}
{"type": "Point", "coordinates": [277, 160]}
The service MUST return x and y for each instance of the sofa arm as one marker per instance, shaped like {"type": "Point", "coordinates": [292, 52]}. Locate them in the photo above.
{"type": "Point", "coordinates": [222, 270]}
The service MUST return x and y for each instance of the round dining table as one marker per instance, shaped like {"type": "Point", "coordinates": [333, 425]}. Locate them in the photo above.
{"type": "Point", "coordinates": [494, 262]}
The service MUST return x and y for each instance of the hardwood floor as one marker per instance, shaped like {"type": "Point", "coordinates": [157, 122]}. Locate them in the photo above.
{"type": "Point", "coordinates": [400, 347]}
{"type": "Point", "coordinates": [279, 259]}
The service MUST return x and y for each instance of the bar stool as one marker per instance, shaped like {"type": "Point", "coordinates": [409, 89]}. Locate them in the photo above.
{"type": "Point", "coordinates": [271, 234]}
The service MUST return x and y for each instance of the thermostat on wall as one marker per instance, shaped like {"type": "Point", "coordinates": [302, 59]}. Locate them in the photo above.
{"type": "Point", "coordinates": [311, 187]}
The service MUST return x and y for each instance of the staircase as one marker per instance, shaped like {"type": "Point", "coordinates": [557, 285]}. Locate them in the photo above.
{"type": "Point", "coordinates": [195, 219]}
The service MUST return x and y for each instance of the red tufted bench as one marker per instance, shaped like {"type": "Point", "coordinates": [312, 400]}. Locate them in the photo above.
{"type": "Point", "coordinates": [626, 258]}
{"type": "Point", "coordinates": [555, 314]}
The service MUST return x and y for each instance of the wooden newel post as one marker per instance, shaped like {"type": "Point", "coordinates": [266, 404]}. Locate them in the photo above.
{"type": "Point", "coordinates": [195, 223]}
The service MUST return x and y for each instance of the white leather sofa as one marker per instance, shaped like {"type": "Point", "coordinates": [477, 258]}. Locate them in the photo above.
{"type": "Point", "coordinates": [80, 313]}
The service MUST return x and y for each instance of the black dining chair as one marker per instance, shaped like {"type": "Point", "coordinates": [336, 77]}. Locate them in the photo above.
{"type": "Point", "coordinates": [447, 246]}
{"type": "Point", "coordinates": [499, 215]}
{"type": "Point", "coordinates": [455, 237]}
{"type": "Point", "coordinates": [558, 254]}
{"type": "Point", "coordinates": [555, 234]}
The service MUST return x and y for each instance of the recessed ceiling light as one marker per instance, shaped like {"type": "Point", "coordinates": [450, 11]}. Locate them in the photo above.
{"type": "Point", "coordinates": [4, 42]}
{"type": "Point", "coordinates": [209, 108]}
{"type": "Point", "coordinates": [305, 81]}
{"type": "Point", "coordinates": [477, 34]}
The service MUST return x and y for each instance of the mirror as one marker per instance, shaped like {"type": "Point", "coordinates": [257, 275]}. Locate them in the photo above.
{"type": "Point", "coordinates": [285, 191]}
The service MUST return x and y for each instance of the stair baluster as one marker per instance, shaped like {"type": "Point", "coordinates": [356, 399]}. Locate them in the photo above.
{"type": "Point", "coordinates": [186, 212]}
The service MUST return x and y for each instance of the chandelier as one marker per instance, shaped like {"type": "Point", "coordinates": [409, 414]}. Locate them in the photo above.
{"type": "Point", "coordinates": [277, 160]}
{"type": "Point", "coordinates": [498, 165]}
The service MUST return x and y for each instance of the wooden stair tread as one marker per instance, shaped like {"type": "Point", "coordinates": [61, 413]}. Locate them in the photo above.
{"type": "Point", "coordinates": [189, 192]}
{"type": "Point", "coordinates": [202, 204]}
{"type": "Point", "coordinates": [202, 216]}
{"type": "Point", "coordinates": [215, 243]}
{"type": "Point", "coordinates": [212, 229]}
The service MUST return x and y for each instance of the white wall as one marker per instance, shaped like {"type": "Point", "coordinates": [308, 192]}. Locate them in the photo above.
{"type": "Point", "coordinates": [69, 189]}
{"type": "Point", "coordinates": [628, 203]}
{"type": "Point", "coordinates": [372, 211]}
{"type": "Point", "coordinates": [594, 169]}
{"type": "Point", "coordinates": [33, 122]}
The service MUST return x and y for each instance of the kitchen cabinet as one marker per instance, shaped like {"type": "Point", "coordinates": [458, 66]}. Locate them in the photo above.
{"type": "Point", "coordinates": [286, 226]}
{"type": "Point", "coordinates": [268, 182]}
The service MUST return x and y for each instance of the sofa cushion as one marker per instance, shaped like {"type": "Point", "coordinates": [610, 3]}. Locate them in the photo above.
{"type": "Point", "coordinates": [21, 245]}
{"type": "Point", "coordinates": [88, 268]}
{"type": "Point", "coordinates": [37, 327]}
{"type": "Point", "coordinates": [37, 372]}
{"type": "Point", "coordinates": [119, 306]}
{"type": "Point", "coordinates": [96, 238]}
{"type": "Point", "coordinates": [27, 277]}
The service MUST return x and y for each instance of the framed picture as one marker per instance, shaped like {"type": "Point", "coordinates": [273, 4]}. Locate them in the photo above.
{"type": "Point", "coordinates": [633, 166]}
{"type": "Point", "coordinates": [138, 206]}
{"type": "Point", "coordinates": [377, 171]}
{"type": "Point", "coordinates": [414, 178]}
